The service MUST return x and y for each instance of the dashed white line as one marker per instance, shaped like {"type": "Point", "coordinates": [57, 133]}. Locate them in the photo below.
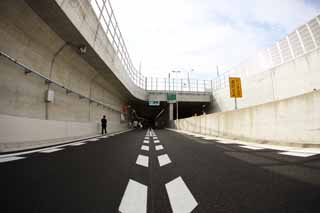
{"type": "Point", "coordinates": [134, 199]}
{"type": "Point", "coordinates": [50, 150]}
{"type": "Point", "coordinates": [159, 147]}
{"type": "Point", "coordinates": [297, 154]}
{"type": "Point", "coordinates": [156, 141]}
{"type": "Point", "coordinates": [252, 147]}
{"type": "Point", "coordinates": [180, 197]}
{"type": "Point", "coordinates": [3, 160]}
{"type": "Point", "coordinates": [143, 160]}
{"type": "Point", "coordinates": [146, 148]}
{"type": "Point", "coordinates": [163, 160]}
{"type": "Point", "coordinates": [145, 141]}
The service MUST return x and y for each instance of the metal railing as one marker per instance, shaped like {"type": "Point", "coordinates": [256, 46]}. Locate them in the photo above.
{"type": "Point", "coordinates": [109, 25]}
{"type": "Point", "coordinates": [300, 42]}
{"type": "Point", "coordinates": [27, 70]}
{"type": "Point", "coordinates": [183, 85]}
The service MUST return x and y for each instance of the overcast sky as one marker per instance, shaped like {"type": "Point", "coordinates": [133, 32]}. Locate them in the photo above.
{"type": "Point", "coordinates": [182, 35]}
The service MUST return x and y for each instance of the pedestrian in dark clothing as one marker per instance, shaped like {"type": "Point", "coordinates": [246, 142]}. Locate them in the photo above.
{"type": "Point", "coordinates": [104, 125]}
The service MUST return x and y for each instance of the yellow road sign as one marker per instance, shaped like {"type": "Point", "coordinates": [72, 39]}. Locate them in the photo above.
{"type": "Point", "coordinates": [235, 87]}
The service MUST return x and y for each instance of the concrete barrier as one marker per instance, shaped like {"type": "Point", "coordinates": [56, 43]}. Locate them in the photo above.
{"type": "Point", "coordinates": [293, 121]}
{"type": "Point", "coordinates": [17, 133]}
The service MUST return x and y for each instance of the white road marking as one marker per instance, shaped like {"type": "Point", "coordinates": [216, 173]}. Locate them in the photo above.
{"type": "Point", "coordinates": [163, 160]}
{"type": "Point", "coordinates": [104, 137]}
{"type": "Point", "coordinates": [252, 147]}
{"type": "Point", "coordinates": [93, 139]}
{"type": "Point", "coordinates": [143, 160]}
{"type": "Point", "coordinates": [297, 154]}
{"type": "Point", "coordinates": [145, 141]}
{"type": "Point", "coordinates": [3, 160]}
{"type": "Point", "coordinates": [159, 147]}
{"type": "Point", "coordinates": [156, 141]}
{"type": "Point", "coordinates": [50, 150]}
{"type": "Point", "coordinates": [134, 199]}
{"type": "Point", "coordinates": [155, 138]}
{"type": "Point", "coordinates": [180, 197]}
{"type": "Point", "coordinates": [146, 148]}
{"type": "Point", "coordinates": [77, 144]}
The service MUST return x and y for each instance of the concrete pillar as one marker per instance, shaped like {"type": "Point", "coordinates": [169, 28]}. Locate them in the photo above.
{"type": "Point", "coordinates": [170, 112]}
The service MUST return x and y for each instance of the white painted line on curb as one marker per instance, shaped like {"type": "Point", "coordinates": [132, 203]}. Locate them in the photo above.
{"type": "Point", "coordinates": [8, 159]}
{"type": "Point", "coordinates": [143, 160]}
{"type": "Point", "coordinates": [252, 147]}
{"type": "Point", "coordinates": [146, 148]}
{"type": "Point", "coordinates": [50, 150]}
{"type": "Point", "coordinates": [159, 147]}
{"type": "Point", "coordinates": [156, 141]}
{"type": "Point", "coordinates": [164, 160]}
{"type": "Point", "coordinates": [297, 154]}
{"type": "Point", "coordinates": [134, 199]}
{"type": "Point", "coordinates": [180, 197]}
{"type": "Point", "coordinates": [145, 141]}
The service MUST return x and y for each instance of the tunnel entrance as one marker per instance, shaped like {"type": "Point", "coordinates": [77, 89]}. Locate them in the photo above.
{"type": "Point", "coordinates": [158, 116]}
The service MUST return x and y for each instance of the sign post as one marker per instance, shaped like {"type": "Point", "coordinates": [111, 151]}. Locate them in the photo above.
{"type": "Point", "coordinates": [235, 89]}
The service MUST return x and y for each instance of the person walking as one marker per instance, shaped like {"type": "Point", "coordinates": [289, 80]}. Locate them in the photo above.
{"type": "Point", "coordinates": [104, 125]}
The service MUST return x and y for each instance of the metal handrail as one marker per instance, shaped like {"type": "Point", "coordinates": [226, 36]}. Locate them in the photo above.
{"type": "Point", "coordinates": [108, 22]}
{"type": "Point", "coordinates": [28, 70]}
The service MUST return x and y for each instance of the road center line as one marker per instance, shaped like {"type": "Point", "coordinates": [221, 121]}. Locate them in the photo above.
{"type": "Point", "coordinates": [159, 147]}
{"type": "Point", "coordinates": [163, 160]}
{"type": "Point", "coordinates": [143, 160]}
{"type": "Point", "coordinates": [146, 148]}
{"type": "Point", "coordinates": [180, 197]}
{"type": "Point", "coordinates": [134, 199]}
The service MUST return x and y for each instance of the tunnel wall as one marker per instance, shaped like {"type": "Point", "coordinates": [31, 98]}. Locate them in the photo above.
{"type": "Point", "coordinates": [297, 77]}
{"type": "Point", "coordinates": [24, 113]}
{"type": "Point", "coordinates": [294, 121]}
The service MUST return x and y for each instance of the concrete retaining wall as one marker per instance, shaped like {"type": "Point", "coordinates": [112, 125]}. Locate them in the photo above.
{"type": "Point", "coordinates": [293, 121]}
{"type": "Point", "coordinates": [24, 113]}
{"type": "Point", "coordinates": [296, 77]}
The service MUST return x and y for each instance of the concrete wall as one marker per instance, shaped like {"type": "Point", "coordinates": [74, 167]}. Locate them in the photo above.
{"type": "Point", "coordinates": [293, 78]}
{"type": "Point", "coordinates": [26, 37]}
{"type": "Point", "coordinates": [295, 120]}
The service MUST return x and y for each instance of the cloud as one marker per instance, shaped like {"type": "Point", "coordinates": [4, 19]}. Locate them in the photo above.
{"type": "Point", "coordinates": [192, 34]}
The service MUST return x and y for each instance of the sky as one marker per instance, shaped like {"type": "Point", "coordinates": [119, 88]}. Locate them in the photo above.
{"type": "Point", "coordinates": [199, 35]}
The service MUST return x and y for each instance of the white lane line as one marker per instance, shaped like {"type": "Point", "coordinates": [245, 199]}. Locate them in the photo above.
{"type": "Point", "coordinates": [180, 197]}
{"type": "Point", "coordinates": [104, 137]}
{"type": "Point", "coordinates": [134, 199]}
{"type": "Point", "coordinates": [159, 147]}
{"type": "Point", "coordinates": [163, 160]}
{"type": "Point", "coordinates": [50, 150]}
{"type": "Point", "coordinates": [3, 160]}
{"type": "Point", "coordinates": [156, 141]}
{"type": "Point", "coordinates": [145, 141]}
{"type": "Point", "coordinates": [77, 144]}
{"type": "Point", "coordinates": [146, 148]}
{"type": "Point", "coordinates": [93, 139]}
{"type": "Point", "coordinates": [297, 154]}
{"type": "Point", "coordinates": [252, 147]}
{"type": "Point", "coordinates": [143, 160]}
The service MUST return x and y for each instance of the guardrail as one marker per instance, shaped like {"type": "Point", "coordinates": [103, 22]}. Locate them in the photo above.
{"type": "Point", "coordinates": [109, 24]}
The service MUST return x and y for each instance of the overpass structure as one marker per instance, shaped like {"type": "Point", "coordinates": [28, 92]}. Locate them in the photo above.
{"type": "Point", "coordinates": [65, 63]}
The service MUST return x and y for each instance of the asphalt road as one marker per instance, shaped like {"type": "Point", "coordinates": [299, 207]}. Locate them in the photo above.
{"type": "Point", "coordinates": [198, 175]}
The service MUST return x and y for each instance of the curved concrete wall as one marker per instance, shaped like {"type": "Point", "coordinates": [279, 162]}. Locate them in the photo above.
{"type": "Point", "coordinates": [293, 78]}
{"type": "Point", "coordinates": [294, 121]}
{"type": "Point", "coordinates": [27, 38]}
